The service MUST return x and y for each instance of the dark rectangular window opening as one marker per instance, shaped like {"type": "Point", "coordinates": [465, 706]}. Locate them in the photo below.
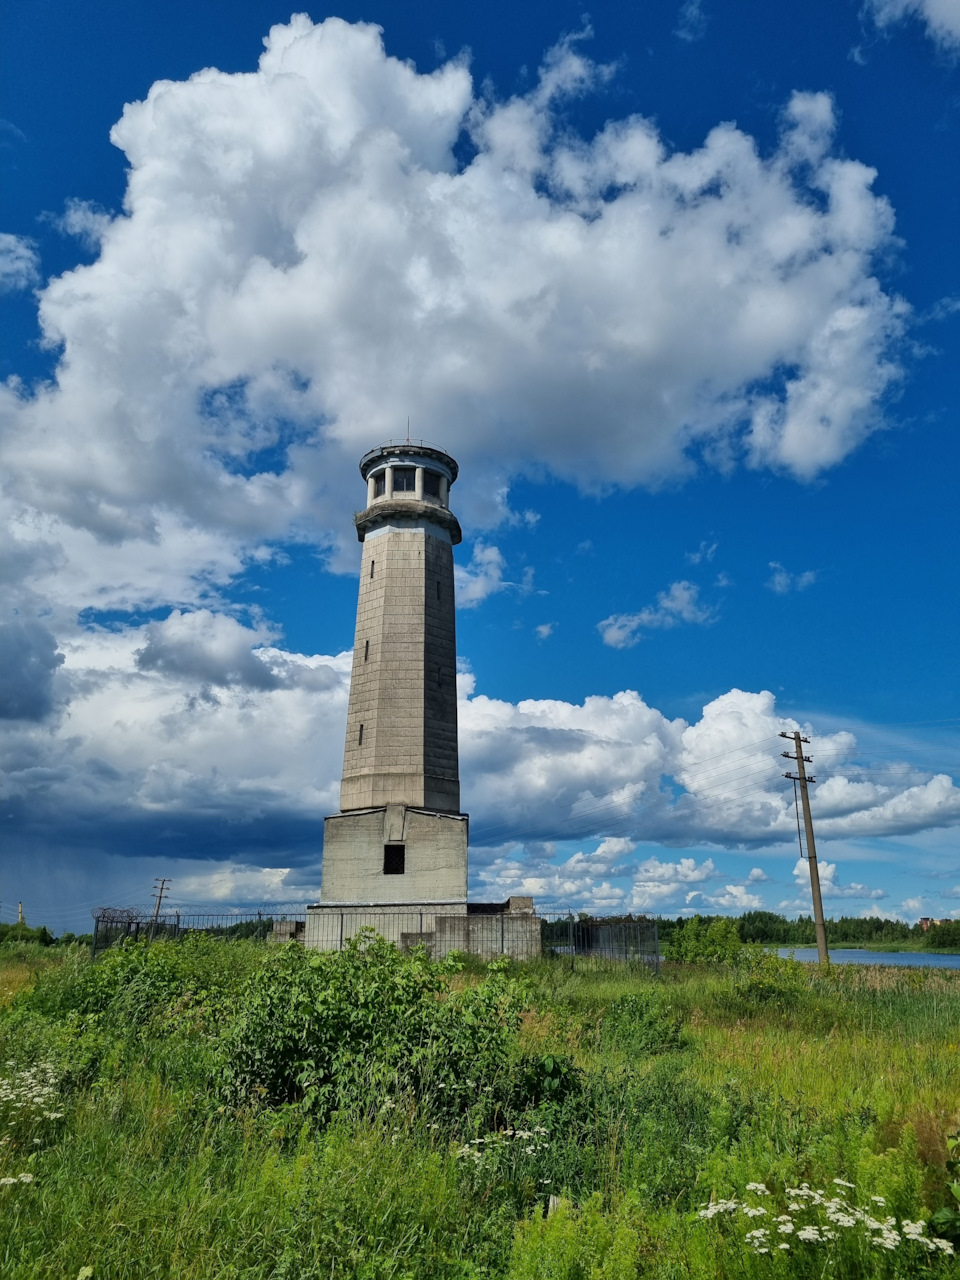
{"type": "Point", "coordinates": [431, 484]}
{"type": "Point", "coordinates": [372, 563]}
{"type": "Point", "coordinates": [404, 479]}
{"type": "Point", "coordinates": [380, 484]}
{"type": "Point", "coordinates": [366, 650]}
{"type": "Point", "coordinates": [360, 737]}
{"type": "Point", "coordinates": [394, 858]}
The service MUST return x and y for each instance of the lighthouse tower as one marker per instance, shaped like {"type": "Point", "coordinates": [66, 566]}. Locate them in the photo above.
{"type": "Point", "coordinates": [400, 839]}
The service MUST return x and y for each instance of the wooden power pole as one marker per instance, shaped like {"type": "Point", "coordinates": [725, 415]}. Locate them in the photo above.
{"type": "Point", "coordinates": [160, 888]}
{"type": "Point", "coordinates": [800, 777]}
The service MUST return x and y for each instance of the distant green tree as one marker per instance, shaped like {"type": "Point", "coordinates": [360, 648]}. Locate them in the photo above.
{"type": "Point", "coordinates": [765, 926]}
{"type": "Point", "coordinates": [943, 935]}
{"type": "Point", "coordinates": [23, 933]}
{"type": "Point", "coordinates": [698, 942]}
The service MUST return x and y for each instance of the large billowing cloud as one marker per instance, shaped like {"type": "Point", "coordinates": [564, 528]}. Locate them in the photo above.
{"type": "Point", "coordinates": [201, 740]}
{"type": "Point", "coordinates": [313, 251]}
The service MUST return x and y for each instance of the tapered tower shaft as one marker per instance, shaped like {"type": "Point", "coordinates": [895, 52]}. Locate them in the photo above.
{"type": "Point", "coordinates": [401, 740]}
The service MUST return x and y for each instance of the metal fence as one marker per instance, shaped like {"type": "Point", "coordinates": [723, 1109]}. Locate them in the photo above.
{"type": "Point", "coordinates": [597, 941]}
{"type": "Point", "coordinates": [574, 939]}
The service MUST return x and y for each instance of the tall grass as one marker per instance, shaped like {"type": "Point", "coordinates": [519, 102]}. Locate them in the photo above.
{"type": "Point", "coordinates": [614, 1110]}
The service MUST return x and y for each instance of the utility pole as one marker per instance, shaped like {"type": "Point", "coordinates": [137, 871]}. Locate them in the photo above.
{"type": "Point", "coordinates": [161, 889]}
{"type": "Point", "coordinates": [19, 913]}
{"type": "Point", "coordinates": [801, 777]}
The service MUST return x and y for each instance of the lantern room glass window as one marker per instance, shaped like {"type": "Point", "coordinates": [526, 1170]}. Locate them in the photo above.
{"type": "Point", "coordinates": [431, 484]}
{"type": "Point", "coordinates": [404, 479]}
{"type": "Point", "coordinates": [380, 484]}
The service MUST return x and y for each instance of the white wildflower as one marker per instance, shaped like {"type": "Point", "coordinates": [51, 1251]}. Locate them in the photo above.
{"type": "Point", "coordinates": [810, 1234]}
{"type": "Point", "coordinates": [758, 1187]}
{"type": "Point", "coordinates": [840, 1183]}
{"type": "Point", "coordinates": [754, 1211]}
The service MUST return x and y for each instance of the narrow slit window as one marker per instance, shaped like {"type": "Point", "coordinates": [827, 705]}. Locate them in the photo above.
{"type": "Point", "coordinates": [438, 588]}
{"type": "Point", "coordinates": [360, 737]}
{"type": "Point", "coordinates": [372, 563]}
{"type": "Point", "coordinates": [366, 650]}
{"type": "Point", "coordinates": [394, 859]}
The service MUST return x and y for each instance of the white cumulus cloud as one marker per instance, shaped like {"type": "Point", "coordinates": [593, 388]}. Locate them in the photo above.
{"type": "Point", "coordinates": [782, 582]}
{"type": "Point", "coordinates": [302, 260]}
{"type": "Point", "coordinates": [679, 603]}
{"type": "Point", "coordinates": [941, 17]}
{"type": "Point", "coordinates": [19, 264]}
{"type": "Point", "coordinates": [482, 577]}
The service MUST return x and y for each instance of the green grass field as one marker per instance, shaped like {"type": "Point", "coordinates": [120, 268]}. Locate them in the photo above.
{"type": "Point", "coordinates": [211, 1109]}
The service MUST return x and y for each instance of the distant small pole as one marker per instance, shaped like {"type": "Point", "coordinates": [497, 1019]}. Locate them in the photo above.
{"type": "Point", "coordinates": [19, 913]}
{"type": "Point", "coordinates": [160, 888]}
{"type": "Point", "coordinates": [573, 948]}
{"type": "Point", "coordinates": [823, 954]}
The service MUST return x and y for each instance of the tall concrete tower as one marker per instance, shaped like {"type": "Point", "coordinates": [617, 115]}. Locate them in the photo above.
{"type": "Point", "coordinates": [399, 837]}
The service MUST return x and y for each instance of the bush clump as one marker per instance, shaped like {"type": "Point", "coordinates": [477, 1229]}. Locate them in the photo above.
{"type": "Point", "coordinates": [640, 1024]}
{"type": "Point", "coordinates": [371, 1027]}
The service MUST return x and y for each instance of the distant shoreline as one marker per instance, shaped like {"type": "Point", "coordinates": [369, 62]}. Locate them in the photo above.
{"type": "Point", "coordinates": [914, 947]}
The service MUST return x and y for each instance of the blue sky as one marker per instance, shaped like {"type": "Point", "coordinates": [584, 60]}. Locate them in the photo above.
{"type": "Point", "coordinates": [678, 285]}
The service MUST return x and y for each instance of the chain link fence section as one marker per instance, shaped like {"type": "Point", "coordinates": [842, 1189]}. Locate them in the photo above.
{"type": "Point", "coordinates": [566, 937]}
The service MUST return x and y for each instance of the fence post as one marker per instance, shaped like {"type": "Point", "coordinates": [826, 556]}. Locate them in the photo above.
{"type": "Point", "coordinates": [93, 944]}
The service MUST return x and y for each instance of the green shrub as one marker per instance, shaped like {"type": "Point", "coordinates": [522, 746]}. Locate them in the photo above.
{"type": "Point", "coordinates": [370, 1027]}
{"type": "Point", "coordinates": [946, 934]}
{"type": "Point", "coordinates": [641, 1024]}
{"type": "Point", "coordinates": [718, 943]}
{"type": "Point", "coordinates": [134, 985]}
{"type": "Point", "coordinates": [576, 1244]}
{"type": "Point", "coordinates": [765, 980]}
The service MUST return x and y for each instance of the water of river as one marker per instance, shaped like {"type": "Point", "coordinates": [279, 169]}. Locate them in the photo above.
{"type": "Point", "coordinates": [913, 959]}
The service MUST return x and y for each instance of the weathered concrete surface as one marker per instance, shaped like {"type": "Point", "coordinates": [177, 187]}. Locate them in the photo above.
{"type": "Point", "coordinates": [403, 689]}
{"type": "Point", "coordinates": [330, 928]}
{"type": "Point", "coordinates": [441, 928]}
{"type": "Point", "coordinates": [435, 856]}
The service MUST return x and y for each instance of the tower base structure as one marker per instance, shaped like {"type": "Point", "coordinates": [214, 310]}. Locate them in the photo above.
{"type": "Point", "coordinates": [483, 929]}
{"type": "Point", "coordinates": [395, 854]}
{"type": "Point", "coordinates": [402, 872]}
